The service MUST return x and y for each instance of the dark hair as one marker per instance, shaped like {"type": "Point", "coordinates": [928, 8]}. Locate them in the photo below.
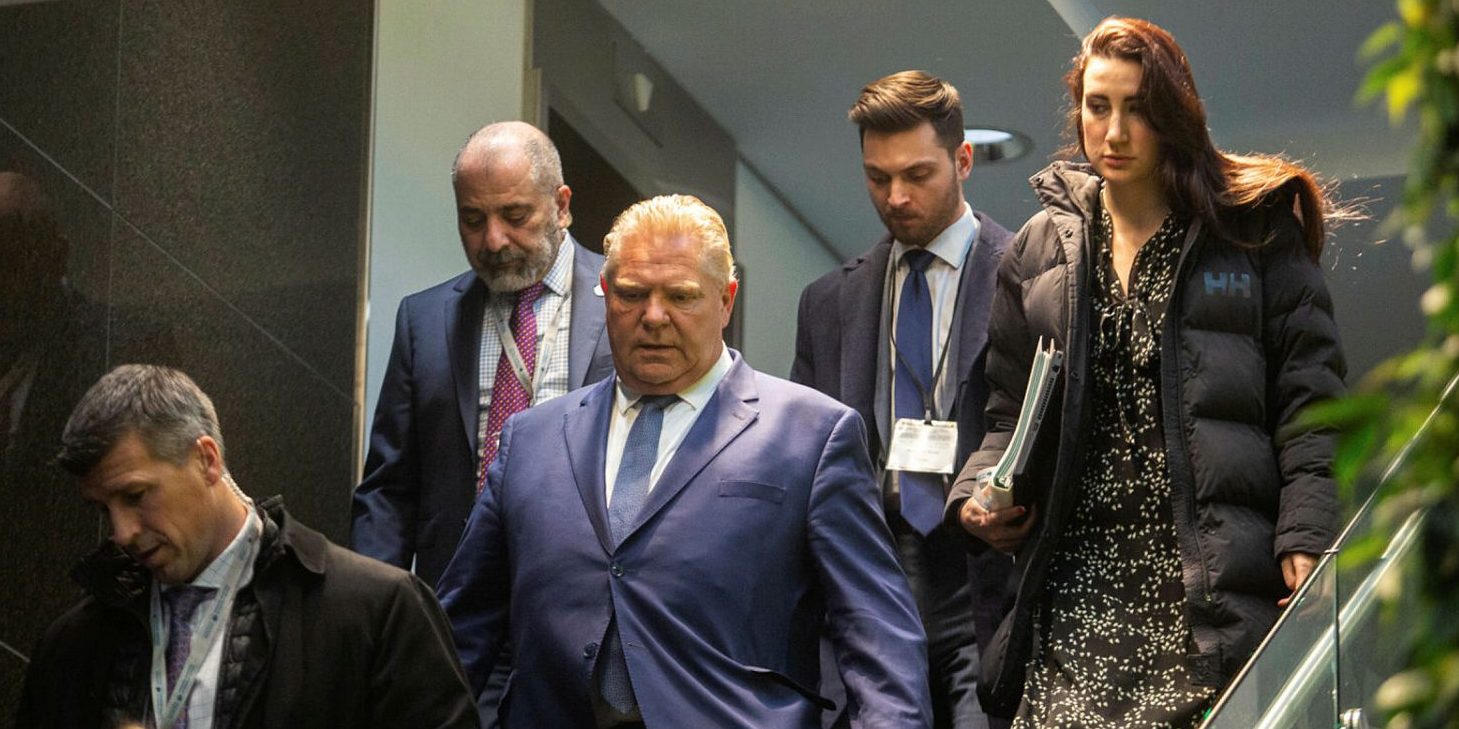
{"type": "Point", "coordinates": [1199, 179]}
{"type": "Point", "coordinates": [160, 404]}
{"type": "Point", "coordinates": [28, 227]}
{"type": "Point", "coordinates": [905, 99]}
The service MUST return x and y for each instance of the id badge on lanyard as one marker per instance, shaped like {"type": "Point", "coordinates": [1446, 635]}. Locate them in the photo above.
{"type": "Point", "coordinates": [925, 445]}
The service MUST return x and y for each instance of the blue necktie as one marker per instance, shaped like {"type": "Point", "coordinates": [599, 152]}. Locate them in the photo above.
{"type": "Point", "coordinates": [639, 454]}
{"type": "Point", "coordinates": [630, 489]}
{"type": "Point", "coordinates": [922, 497]}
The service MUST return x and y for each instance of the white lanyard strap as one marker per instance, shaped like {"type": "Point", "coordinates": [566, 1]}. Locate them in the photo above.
{"type": "Point", "coordinates": [167, 707]}
{"type": "Point", "coordinates": [529, 380]}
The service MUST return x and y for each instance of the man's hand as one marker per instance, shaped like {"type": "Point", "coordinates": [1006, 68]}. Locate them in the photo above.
{"type": "Point", "coordinates": [1296, 566]}
{"type": "Point", "coordinates": [996, 527]}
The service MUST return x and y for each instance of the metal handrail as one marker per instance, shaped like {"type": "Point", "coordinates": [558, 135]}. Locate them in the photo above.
{"type": "Point", "coordinates": [1298, 688]}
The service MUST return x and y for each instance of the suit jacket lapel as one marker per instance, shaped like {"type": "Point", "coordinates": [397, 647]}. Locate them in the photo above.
{"type": "Point", "coordinates": [725, 416]}
{"type": "Point", "coordinates": [861, 300]}
{"type": "Point", "coordinates": [463, 337]}
{"type": "Point", "coordinates": [585, 432]}
{"type": "Point", "coordinates": [587, 318]}
{"type": "Point", "coordinates": [974, 303]}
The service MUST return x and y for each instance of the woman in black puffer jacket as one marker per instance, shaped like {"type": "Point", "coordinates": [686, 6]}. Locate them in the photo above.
{"type": "Point", "coordinates": [1173, 502]}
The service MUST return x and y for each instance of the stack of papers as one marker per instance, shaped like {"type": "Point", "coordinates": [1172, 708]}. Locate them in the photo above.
{"type": "Point", "coordinates": [994, 488]}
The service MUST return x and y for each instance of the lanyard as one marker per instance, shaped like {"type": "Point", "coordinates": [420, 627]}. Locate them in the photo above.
{"type": "Point", "coordinates": [928, 392]}
{"type": "Point", "coordinates": [529, 380]}
{"type": "Point", "coordinates": [167, 708]}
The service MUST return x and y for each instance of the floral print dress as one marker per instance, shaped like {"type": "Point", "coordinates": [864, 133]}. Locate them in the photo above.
{"type": "Point", "coordinates": [1111, 630]}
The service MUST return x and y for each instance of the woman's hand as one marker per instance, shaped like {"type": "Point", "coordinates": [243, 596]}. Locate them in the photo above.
{"type": "Point", "coordinates": [1296, 566]}
{"type": "Point", "coordinates": [997, 527]}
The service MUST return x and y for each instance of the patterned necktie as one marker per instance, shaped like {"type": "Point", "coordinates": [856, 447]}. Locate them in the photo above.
{"type": "Point", "coordinates": [508, 397]}
{"type": "Point", "coordinates": [182, 602]}
{"type": "Point", "coordinates": [922, 496]}
{"type": "Point", "coordinates": [640, 453]}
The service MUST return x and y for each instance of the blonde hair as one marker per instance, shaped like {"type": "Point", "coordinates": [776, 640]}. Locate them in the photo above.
{"type": "Point", "coordinates": [671, 215]}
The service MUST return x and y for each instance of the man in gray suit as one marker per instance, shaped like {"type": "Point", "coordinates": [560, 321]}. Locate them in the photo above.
{"type": "Point", "coordinates": [525, 325]}
{"type": "Point", "coordinates": [899, 334]}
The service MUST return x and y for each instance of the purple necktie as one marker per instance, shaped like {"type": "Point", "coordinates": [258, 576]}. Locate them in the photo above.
{"type": "Point", "coordinates": [182, 602]}
{"type": "Point", "coordinates": [508, 397]}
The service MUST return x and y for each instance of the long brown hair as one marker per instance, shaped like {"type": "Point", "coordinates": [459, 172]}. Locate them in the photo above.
{"type": "Point", "coordinates": [1198, 179]}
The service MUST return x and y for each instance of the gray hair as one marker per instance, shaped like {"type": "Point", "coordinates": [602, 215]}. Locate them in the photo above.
{"type": "Point", "coordinates": [500, 137]}
{"type": "Point", "coordinates": [161, 405]}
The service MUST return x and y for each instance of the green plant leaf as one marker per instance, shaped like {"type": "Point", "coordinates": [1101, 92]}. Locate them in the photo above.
{"type": "Point", "coordinates": [1386, 35]}
{"type": "Point", "coordinates": [1403, 87]}
{"type": "Point", "coordinates": [1378, 77]}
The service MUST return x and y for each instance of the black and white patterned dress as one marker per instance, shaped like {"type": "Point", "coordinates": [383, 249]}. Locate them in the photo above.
{"type": "Point", "coordinates": [1111, 631]}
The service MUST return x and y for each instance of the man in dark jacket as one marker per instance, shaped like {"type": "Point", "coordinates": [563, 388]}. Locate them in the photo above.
{"type": "Point", "coordinates": [858, 321]}
{"type": "Point", "coordinates": [208, 611]}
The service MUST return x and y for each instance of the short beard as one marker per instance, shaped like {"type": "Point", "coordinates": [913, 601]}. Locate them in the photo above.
{"type": "Point", "coordinates": [513, 270]}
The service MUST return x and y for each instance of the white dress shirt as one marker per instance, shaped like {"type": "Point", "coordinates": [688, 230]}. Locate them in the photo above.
{"type": "Point", "coordinates": [200, 702]}
{"type": "Point", "coordinates": [679, 417]}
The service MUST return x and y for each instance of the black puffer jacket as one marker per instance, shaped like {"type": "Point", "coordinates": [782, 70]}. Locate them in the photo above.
{"type": "Point", "coordinates": [1249, 341]}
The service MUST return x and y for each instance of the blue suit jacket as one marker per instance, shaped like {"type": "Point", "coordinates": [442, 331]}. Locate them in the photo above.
{"type": "Point", "coordinates": [420, 473]}
{"type": "Point", "coordinates": [765, 523]}
{"type": "Point", "coordinates": [837, 336]}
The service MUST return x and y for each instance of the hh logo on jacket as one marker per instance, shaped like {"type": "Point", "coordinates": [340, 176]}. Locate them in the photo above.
{"type": "Point", "coordinates": [1228, 284]}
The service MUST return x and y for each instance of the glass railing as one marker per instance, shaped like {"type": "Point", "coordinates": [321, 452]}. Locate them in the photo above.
{"type": "Point", "coordinates": [1322, 663]}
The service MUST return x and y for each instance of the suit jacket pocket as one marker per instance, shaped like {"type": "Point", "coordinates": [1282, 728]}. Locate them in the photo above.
{"type": "Point", "coordinates": [824, 703]}
{"type": "Point", "coordinates": [753, 490]}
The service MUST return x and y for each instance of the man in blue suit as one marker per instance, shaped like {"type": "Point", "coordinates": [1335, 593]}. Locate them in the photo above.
{"type": "Point", "coordinates": [662, 549]}
{"type": "Point", "coordinates": [898, 341]}
{"type": "Point", "coordinates": [522, 327]}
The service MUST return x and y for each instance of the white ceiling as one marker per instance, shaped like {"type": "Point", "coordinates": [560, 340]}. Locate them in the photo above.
{"type": "Point", "coordinates": [779, 75]}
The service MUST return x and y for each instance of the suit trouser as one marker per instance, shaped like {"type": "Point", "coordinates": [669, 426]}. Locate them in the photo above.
{"type": "Point", "coordinates": [937, 570]}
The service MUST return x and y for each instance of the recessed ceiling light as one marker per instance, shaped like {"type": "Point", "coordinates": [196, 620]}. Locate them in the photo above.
{"type": "Point", "coordinates": [997, 145]}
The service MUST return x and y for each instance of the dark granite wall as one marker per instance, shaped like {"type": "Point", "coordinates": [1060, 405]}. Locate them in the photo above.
{"type": "Point", "coordinates": [205, 166]}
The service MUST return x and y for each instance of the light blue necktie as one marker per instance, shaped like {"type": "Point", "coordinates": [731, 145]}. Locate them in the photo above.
{"type": "Point", "coordinates": [630, 489]}
{"type": "Point", "coordinates": [922, 497]}
{"type": "Point", "coordinates": [640, 453]}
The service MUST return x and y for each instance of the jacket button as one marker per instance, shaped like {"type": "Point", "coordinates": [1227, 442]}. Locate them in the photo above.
{"type": "Point", "coordinates": [616, 569]}
{"type": "Point", "coordinates": [590, 650]}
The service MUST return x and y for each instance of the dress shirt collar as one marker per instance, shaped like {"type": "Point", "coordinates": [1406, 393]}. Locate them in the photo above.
{"type": "Point", "coordinates": [697, 394]}
{"type": "Point", "coordinates": [559, 277]}
{"type": "Point", "coordinates": [243, 547]}
{"type": "Point", "coordinates": [951, 245]}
